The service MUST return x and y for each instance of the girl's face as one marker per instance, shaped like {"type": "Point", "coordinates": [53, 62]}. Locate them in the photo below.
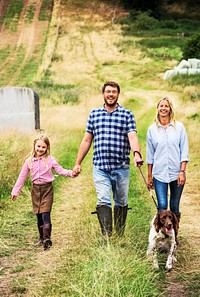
{"type": "Point", "coordinates": [40, 148]}
{"type": "Point", "coordinates": [164, 108]}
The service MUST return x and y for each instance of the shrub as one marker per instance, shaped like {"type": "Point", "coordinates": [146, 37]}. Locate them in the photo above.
{"type": "Point", "coordinates": [192, 47]}
{"type": "Point", "coordinates": [145, 22]}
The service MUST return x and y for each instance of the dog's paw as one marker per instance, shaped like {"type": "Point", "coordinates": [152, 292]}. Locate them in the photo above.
{"type": "Point", "coordinates": [168, 267]}
{"type": "Point", "coordinates": [174, 259]}
{"type": "Point", "coordinates": [155, 264]}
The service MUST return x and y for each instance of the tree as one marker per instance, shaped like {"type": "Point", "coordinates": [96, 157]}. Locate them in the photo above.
{"type": "Point", "coordinates": [192, 47]}
{"type": "Point", "coordinates": [153, 7]}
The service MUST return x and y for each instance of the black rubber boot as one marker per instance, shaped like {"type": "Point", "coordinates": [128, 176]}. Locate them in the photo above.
{"type": "Point", "coordinates": [104, 214]}
{"type": "Point", "coordinates": [47, 236]}
{"type": "Point", "coordinates": [120, 214]}
{"type": "Point", "coordinates": [40, 242]}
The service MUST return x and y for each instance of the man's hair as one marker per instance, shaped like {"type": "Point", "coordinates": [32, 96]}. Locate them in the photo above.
{"type": "Point", "coordinates": [112, 84]}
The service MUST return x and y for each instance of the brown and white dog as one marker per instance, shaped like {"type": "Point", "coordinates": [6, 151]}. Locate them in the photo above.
{"type": "Point", "coordinates": [162, 237]}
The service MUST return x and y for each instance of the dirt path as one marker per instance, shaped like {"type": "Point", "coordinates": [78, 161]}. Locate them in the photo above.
{"type": "Point", "coordinates": [27, 34]}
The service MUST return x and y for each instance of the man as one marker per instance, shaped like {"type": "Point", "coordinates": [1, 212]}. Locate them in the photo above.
{"type": "Point", "coordinates": [113, 130]}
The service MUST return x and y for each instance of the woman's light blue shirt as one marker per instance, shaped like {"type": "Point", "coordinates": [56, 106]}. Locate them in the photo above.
{"type": "Point", "coordinates": [166, 149]}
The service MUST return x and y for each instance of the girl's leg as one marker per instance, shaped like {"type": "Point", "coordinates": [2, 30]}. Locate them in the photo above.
{"type": "Point", "coordinates": [47, 227]}
{"type": "Point", "coordinates": [175, 196]}
{"type": "Point", "coordinates": [39, 219]}
{"type": "Point", "coordinates": [161, 190]}
{"type": "Point", "coordinates": [46, 217]}
{"type": "Point", "coordinates": [40, 229]}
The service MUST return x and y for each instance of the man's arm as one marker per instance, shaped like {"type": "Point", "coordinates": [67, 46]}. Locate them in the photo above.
{"type": "Point", "coordinates": [135, 147]}
{"type": "Point", "coordinates": [83, 150]}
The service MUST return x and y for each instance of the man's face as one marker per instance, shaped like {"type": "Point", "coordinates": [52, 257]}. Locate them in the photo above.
{"type": "Point", "coordinates": [110, 96]}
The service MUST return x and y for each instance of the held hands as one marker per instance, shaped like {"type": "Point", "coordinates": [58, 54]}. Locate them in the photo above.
{"type": "Point", "coordinates": [76, 171]}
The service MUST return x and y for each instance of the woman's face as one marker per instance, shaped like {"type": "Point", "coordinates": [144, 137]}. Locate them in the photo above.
{"type": "Point", "coordinates": [40, 148]}
{"type": "Point", "coordinates": [164, 108]}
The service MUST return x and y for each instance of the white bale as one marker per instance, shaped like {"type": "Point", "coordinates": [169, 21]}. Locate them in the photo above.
{"type": "Point", "coordinates": [193, 71]}
{"type": "Point", "coordinates": [182, 71]}
{"type": "Point", "coordinates": [194, 63]}
{"type": "Point", "coordinates": [183, 64]}
{"type": "Point", "coordinates": [168, 74]}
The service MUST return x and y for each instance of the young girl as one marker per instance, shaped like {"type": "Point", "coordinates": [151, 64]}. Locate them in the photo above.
{"type": "Point", "coordinates": [40, 165]}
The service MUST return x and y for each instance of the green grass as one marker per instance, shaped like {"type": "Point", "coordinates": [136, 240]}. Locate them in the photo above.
{"type": "Point", "coordinates": [10, 20]}
{"type": "Point", "coordinates": [164, 38]}
{"type": "Point", "coordinates": [56, 93]}
{"type": "Point", "coordinates": [185, 80]}
{"type": "Point", "coordinates": [105, 265]}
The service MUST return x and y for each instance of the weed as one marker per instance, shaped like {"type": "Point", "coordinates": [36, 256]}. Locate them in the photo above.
{"type": "Point", "coordinates": [194, 116]}
{"type": "Point", "coordinates": [18, 268]}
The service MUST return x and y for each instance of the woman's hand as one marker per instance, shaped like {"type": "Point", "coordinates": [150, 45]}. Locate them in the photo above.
{"type": "Point", "coordinates": [150, 182]}
{"type": "Point", "coordinates": [181, 178]}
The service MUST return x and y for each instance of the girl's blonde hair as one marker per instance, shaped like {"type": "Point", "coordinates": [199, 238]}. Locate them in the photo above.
{"type": "Point", "coordinates": [46, 141]}
{"type": "Point", "coordinates": [171, 113]}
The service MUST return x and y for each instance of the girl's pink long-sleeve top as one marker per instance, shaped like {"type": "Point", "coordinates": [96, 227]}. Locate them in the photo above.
{"type": "Point", "coordinates": [40, 172]}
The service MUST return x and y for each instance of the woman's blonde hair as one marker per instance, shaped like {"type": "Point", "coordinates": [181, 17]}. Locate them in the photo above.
{"type": "Point", "coordinates": [44, 138]}
{"type": "Point", "coordinates": [171, 113]}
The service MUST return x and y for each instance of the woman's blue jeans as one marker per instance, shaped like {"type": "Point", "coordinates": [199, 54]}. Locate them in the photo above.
{"type": "Point", "coordinates": [115, 181]}
{"type": "Point", "coordinates": [161, 190]}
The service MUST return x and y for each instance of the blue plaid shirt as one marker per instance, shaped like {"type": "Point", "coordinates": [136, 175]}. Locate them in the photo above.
{"type": "Point", "coordinates": [110, 132]}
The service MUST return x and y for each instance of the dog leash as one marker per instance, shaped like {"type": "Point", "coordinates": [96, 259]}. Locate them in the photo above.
{"type": "Point", "coordinates": [139, 167]}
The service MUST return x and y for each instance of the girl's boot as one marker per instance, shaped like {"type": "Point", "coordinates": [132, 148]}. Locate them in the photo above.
{"type": "Point", "coordinates": [47, 243]}
{"type": "Point", "coordinates": [40, 242]}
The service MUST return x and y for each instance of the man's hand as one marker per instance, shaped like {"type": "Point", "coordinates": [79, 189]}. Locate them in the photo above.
{"type": "Point", "coordinates": [138, 159]}
{"type": "Point", "coordinates": [139, 163]}
{"type": "Point", "coordinates": [77, 169]}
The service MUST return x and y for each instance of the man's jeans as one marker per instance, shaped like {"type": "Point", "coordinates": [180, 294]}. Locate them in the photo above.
{"type": "Point", "coordinates": [161, 190]}
{"type": "Point", "coordinates": [116, 181]}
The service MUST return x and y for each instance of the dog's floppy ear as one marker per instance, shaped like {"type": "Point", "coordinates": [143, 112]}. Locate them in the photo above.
{"type": "Point", "coordinates": [157, 222]}
{"type": "Point", "coordinates": [175, 223]}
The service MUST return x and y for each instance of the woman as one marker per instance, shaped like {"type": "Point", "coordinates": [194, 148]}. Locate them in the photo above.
{"type": "Point", "coordinates": [167, 157]}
